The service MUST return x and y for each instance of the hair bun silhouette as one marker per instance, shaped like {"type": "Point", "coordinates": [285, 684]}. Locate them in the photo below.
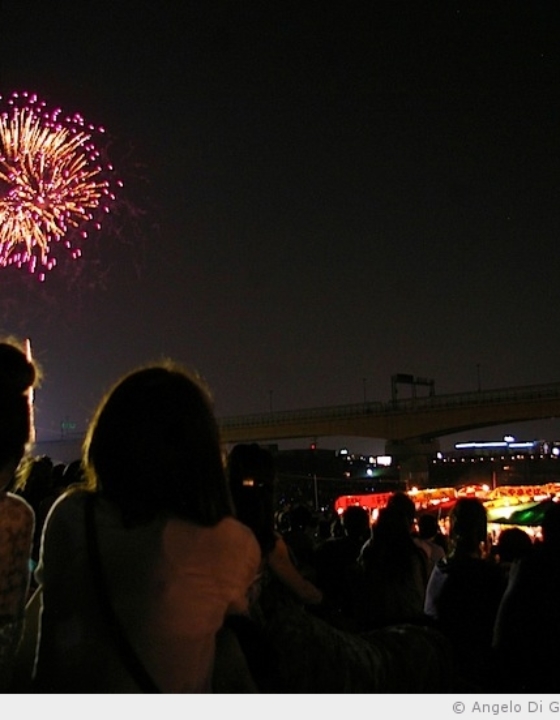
{"type": "Point", "coordinates": [17, 373]}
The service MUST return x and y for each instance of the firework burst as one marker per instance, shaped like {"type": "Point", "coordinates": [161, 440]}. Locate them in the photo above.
{"type": "Point", "coordinates": [54, 187]}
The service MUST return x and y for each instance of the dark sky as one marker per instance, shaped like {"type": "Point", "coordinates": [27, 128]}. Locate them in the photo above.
{"type": "Point", "coordinates": [317, 196]}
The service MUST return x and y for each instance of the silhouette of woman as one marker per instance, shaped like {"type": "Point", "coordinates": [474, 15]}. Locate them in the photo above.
{"type": "Point", "coordinates": [17, 376]}
{"type": "Point", "coordinates": [174, 560]}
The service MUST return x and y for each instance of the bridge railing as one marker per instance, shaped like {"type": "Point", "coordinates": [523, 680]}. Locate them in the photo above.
{"type": "Point", "coordinates": [280, 417]}
{"type": "Point", "coordinates": [502, 395]}
{"type": "Point", "coordinates": [336, 412]}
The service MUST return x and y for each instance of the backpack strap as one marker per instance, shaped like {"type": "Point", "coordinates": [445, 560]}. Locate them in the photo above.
{"type": "Point", "coordinates": [128, 655]}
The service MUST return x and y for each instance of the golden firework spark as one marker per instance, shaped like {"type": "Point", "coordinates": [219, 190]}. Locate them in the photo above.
{"type": "Point", "coordinates": [53, 185]}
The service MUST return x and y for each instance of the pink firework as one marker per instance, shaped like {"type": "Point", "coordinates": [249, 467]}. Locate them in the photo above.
{"type": "Point", "coordinates": [54, 187]}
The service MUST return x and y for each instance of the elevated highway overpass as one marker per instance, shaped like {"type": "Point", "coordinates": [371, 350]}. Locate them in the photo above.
{"type": "Point", "coordinates": [410, 426]}
{"type": "Point", "coordinates": [402, 420]}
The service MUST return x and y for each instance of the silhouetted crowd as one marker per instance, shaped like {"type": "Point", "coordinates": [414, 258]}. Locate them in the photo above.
{"type": "Point", "coordinates": [155, 564]}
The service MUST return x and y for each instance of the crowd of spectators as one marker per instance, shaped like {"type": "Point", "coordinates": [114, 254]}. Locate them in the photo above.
{"type": "Point", "coordinates": [151, 564]}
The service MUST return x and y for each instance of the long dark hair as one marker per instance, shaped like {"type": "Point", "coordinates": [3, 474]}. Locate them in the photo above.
{"type": "Point", "coordinates": [153, 447]}
{"type": "Point", "coordinates": [468, 523]}
{"type": "Point", "coordinates": [392, 551]}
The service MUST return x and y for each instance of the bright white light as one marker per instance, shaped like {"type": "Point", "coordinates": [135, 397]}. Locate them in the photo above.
{"type": "Point", "coordinates": [473, 445]}
{"type": "Point", "coordinates": [384, 460]}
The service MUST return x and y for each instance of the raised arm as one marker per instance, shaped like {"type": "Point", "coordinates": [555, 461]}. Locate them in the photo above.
{"type": "Point", "coordinates": [281, 564]}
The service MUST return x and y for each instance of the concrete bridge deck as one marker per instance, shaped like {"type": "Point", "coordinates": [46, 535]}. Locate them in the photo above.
{"type": "Point", "coordinates": [408, 425]}
{"type": "Point", "coordinates": [400, 420]}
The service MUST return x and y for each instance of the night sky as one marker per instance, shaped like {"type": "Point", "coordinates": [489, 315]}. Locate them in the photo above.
{"type": "Point", "coordinates": [317, 196]}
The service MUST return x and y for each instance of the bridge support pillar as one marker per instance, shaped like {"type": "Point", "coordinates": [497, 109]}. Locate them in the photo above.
{"type": "Point", "coordinates": [413, 457]}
